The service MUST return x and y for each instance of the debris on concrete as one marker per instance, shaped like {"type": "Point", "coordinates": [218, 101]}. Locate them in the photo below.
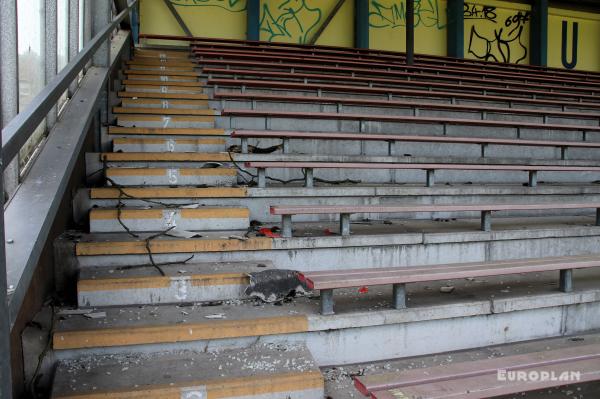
{"type": "Point", "coordinates": [275, 285]}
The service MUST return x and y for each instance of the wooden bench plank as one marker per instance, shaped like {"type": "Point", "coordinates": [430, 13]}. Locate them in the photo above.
{"type": "Point", "coordinates": [398, 277]}
{"type": "Point", "coordinates": [405, 119]}
{"type": "Point", "coordinates": [201, 55]}
{"type": "Point", "coordinates": [392, 138]}
{"type": "Point", "coordinates": [269, 84]}
{"type": "Point", "coordinates": [368, 102]}
{"type": "Point", "coordinates": [391, 380]}
{"type": "Point", "coordinates": [487, 386]}
{"type": "Point", "coordinates": [344, 212]}
{"type": "Point", "coordinates": [417, 80]}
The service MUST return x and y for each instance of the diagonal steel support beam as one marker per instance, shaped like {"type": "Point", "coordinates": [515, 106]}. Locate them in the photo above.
{"type": "Point", "coordinates": [327, 21]}
{"type": "Point", "coordinates": [182, 24]}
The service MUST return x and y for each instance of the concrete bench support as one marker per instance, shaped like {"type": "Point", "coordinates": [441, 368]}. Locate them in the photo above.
{"type": "Point", "coordinates": [430, 177]}
{"type": "Point", "coordinates": [262, 178]}
{"type": "Point", "coordinates": [244, 145]}
{"type": "Point", "coordinates": [486, 221]}
{"type": "Point", "coordinates": [566, 280]}
{"type": "Point", "coordinates": [286, 226]}
{"type": "Point", "coordinates": [309, 180]}
{"type": "Point", "coordinates": [532, 178]}
{"type": "Point", "coordinates": [399, 299]}
{"type": "Point", "coordinates": [286, 145]}
{"type": "Point", "coordinates": [327, 302]}
{"type": "Point", "coordinates": [345, 224]}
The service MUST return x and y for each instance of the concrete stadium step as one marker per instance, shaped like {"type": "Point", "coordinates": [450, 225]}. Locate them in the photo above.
{"type": "Point", "coordinates": [161, 62]}
{"type": "Point", "coordinates": [163, 111]}
{"type": "Point", "coordinates": [162, 96]}
{"type": "Point", "coordinates": [262, 371]}
{"type": "Point", "coordinates": [166, 121]}
{"type": "Point", "coordinates": [163, 104]}
{"type": "Point", "coordinates": [156, 219]}
{"type": "Point", "coordinates": [163, 78]}
{"type": "Point", "coordinates": [140, 132]}
{"type": "Point", "coordinates": [169, 144]}
{"type": "Point", "coordinates": [189, 194]}
{"type": "Point", "coordinates": [182, 283]}
{"type": "Point", "coordinates": [162, 89]}
{"type": "Point", "coordinates": [161, 72]}
{"type": "Point", "coordinates": [163, 69]}
{"type": "Point", "coordinates": [158, 159]}
{"type": "Point", "coordinates": [352, 335]}
{"type": "Point", "coordinates": [258, 201]}
{"type": "Point", "coordinates": [410, 242]}
{"type": "Point", "coordinates": [162, 53]}
{"type": "Point", "coordinates": [175, 176]}
{"type": "Point", "coordinates": [163, 83]}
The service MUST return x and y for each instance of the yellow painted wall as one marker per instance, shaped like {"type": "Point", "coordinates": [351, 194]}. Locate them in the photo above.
{"type": "Point", "coordinates": [207, 18]}
{"type": "Point", "coordinates": [497, 31]}
{"type": "Point", "coordinates": [588, 50]}
{"type": "Point", "coordinates": [297, 21]}
{"type": "Point", "coordinates": [387, 26]}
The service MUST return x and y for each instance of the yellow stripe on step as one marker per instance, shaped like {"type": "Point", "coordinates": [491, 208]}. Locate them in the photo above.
{"type": "Point", "coordinates": [175, 131]}
{"type": "Point", "coordinates": [199, 213]}
{"type": "Point", "coordinates": [167, 246]}
{"type": "Point", "coordinates": [184, 332]}
{"type": "Point", "coordinates": [221, 388]}
{"type": "Point", "coordinates": [211, 141]}
{"type": "Point", "coordinates": [164, 157]}
{"type": "Point", "coordinates": [111, 172]}
{"type": "Point", "coordinates": [163, 111]}
{"type": "Point", "coordinates": [142, 282]}
{"type": "Point", "coordinates": [169, 192]}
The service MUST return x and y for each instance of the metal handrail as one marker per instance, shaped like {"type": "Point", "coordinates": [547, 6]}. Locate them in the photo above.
{"type": "Point", "coordinates": [22, 126]}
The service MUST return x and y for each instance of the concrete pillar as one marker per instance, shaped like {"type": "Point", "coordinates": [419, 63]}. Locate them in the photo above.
{"type": "Point", "coordinates": [73, 38]}
{"type": "Point", "coordinates": [8, 47]}
{"type": "Point", "coordinates": [253, 20]}
{"type": "Point", "coordinates": [410, 32]}
{"type": "Point", "coordinates": [50, 47]}
{"type": "Point", "coordinates": [456, 29]}
{"type": "Point", "coordinates": [539, 33]}
{"type": "Point", "coordinates": [361, 23]}
{"type": "Point", "coordinates": [9, 83]}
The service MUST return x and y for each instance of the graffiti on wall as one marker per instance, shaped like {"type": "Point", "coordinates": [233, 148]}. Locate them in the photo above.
{"type": "Point", "coordinates": [496, 34]}
{"type": "Point", "coordinates": [393, 15]}
{"type": "Point", "coordinates": [229, 5]}
{"type": "Point", "coordinates": [290, 20]}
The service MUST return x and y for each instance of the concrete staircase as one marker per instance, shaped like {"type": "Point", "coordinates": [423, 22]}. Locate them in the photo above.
{"type": "Point", "coordinates": [175, 229]}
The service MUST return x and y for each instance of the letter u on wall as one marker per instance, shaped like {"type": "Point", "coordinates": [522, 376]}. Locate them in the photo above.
{"type": "Point", "coordinates": [575, 35]}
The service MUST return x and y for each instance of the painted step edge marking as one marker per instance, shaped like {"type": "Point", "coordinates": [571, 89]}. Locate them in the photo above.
{"type": "Point", "coordinates": [143, 282]}
{"type": "Point", "coordinates": [168, 96]}
{"type": "Point", "coordinates": [199, 213]}
{"type": "Point", "coordinates": [222, 388]}
{"type": "Point", "coordinates": [169, 192]}
{"type": "Point", "coordinates": [160, 118]}
{"type": "Point", "coordinates": [164, 111]}
{"type": "Point", "coordinates": [162, 82]}
{"type": "Point", "coordinates": [112, 172]}
{"type": "Point", "coordinates": [215, 141]}
{"type": "Point", "coordinates": [164, 157]}
{"type": "Point", "coordinates": [184, 332]}
{"type": "Point", "coordinates": [166, 131]}
{"type": "Point", "coordinates": [162, 246]}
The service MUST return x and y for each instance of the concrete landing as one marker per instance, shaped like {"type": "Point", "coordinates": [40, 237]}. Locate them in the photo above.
{"type": "Point", "coordinates": [261, 371]}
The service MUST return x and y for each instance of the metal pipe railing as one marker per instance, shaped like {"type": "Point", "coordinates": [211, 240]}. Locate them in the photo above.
{"type": "Point", "coordinates": [20, 128]}
{"type": "Point", "coordinates": [12, 137]}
